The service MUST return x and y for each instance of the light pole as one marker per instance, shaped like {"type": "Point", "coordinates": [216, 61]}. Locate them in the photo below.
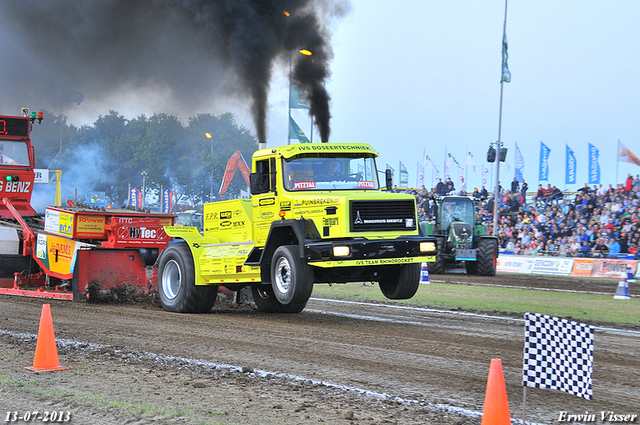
{"type": "Point", "coordinates": [144, 190]}
{"type": "Point", "coordinates": [208, 136]}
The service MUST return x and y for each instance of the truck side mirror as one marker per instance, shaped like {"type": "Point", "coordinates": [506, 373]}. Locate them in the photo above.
{"type": "Point", "coordinates": [389, 178]}
{"type": "Point", "coordinates": [257, 183]}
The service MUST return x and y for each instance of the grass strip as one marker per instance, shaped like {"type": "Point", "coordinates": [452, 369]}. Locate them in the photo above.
{"type": "Point", "coordinates": [581, 307]}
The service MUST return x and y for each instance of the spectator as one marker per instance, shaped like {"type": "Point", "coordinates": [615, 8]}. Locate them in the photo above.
{"type": "Point", "coordinates": [577, 227]}
{"type": "Point", "coordinates": [463, 187]}
{"type": "Point", "coordinates": [600, 249]}
{"type": "Point", "coordinates": [614, 247]}
{"type": "Point", "coordinates": [628, 187]}
{"type": "Point", "coordinates": [624, 242]}
{"type": "Point", "coordinates": [511, 246]}
{"type": "Point", "coordinates": [540, 194]}
{"type": "Point", "coordinates": [515, 186]}
{"type": "Point", "coordinates": [440, 188]}
{"type": "Point", "coordinates": [450, 188]}
{"type": "Point", "coordinates": [525, 187]}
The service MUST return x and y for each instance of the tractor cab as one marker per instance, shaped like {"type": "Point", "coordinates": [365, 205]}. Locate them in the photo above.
{"type": "Point", "coordinates": [16, 165]}
{"type": "Point", "coordinates": [456, 212]}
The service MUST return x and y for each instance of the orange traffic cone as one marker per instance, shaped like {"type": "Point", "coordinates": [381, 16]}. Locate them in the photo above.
{"type": "Point", "coordinates": [496, 405]}
{"type": "Point", "coordinates": [46, 357]}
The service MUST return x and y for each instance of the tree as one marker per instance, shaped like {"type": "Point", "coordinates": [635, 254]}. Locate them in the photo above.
{"type": "Point", "coordinates": [111, 154]}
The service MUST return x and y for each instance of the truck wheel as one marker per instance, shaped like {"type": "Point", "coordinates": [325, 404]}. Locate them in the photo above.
{"type": "Point", "coordinates": [401, 283]}
{"type": "Point", "coordinates": [487, 257]}
{"type": "Point", "coordinates": [176, 283]}
{"type": "Point", "coordinates": [266, 301]}
{"type": "Point", "coordinates": [291, 278]}
{"type": "Point", "coordinates": [437, 267]}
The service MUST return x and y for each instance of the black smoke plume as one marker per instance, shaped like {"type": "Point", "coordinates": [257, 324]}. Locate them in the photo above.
{"type": "Point", "coordinates": [185, 52]}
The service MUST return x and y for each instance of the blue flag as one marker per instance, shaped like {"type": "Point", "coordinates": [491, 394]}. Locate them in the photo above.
{"type": "Point", "coordinates": [594, 167]}
{"type": "Point", "coordinates": [544, 163]}
{"type": "Point", "coordinates": [298, 97]}
{"type": "Point", "coordinates": [519, 164]}
{"type": "Point", "coordinates": [295, 132]}
{"type": "Point", "coordinates": [570, 177]}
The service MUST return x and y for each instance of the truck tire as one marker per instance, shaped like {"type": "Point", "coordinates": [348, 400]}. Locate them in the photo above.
{"type": "Point", "coordinates": [401, 283]}
{"type": "Point", "coordinates": [266, 301]}
{"type": "Point", "coordinates": [291, 277]}
{"type": "Point", "coordinates": [176, 283]}
{"type": "Point", "coordinates": [487, 257]}
{"type": "Point", "coordinates": [437, 267]}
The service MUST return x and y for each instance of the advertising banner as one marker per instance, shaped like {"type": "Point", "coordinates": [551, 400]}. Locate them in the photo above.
{"type": "Point", "coordinates": [552, 265]}
{"type": "Point", "coordinates": [514, 264]}
{"type": "Point", "coordinates": [582, 267]}
{"type": "Point", "coordinates": [612, 268]}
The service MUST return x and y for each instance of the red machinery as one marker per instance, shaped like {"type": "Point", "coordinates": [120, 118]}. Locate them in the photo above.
{"type": "Point", "coordinates": [75, 251]}
{"type": "Point", "coordinates": [235, 162]}
{"type": "Point", "coordinates": [16, 164]}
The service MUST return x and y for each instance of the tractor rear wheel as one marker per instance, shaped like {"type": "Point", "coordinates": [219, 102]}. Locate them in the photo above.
{"type": "Point", "coordinates": [402, 282]}
{"type": "Point", "coordinates": [487, 257]}
{"type": "Point", "coordinates": [176, 283]}
{"type": "Point", "coordinates": [291, 277]}
{"type": "Point", "coordinates": [471, 267]}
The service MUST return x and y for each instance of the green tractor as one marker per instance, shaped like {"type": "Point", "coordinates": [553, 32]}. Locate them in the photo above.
{"type": "Point", "coordinates": [460, 237]}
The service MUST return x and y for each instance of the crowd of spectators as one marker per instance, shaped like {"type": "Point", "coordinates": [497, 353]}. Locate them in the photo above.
{"type": "Point", "coordinates": [591, 222]}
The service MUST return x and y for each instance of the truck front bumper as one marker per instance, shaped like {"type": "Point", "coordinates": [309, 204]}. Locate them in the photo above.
{"type": "Point", "coordinates": [364, 252]}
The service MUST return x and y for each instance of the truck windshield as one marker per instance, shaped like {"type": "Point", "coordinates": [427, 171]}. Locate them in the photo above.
{"type": "Point", "coordinates": [330, 173]}
{"type": "Point", "coordinates": [14, 153]}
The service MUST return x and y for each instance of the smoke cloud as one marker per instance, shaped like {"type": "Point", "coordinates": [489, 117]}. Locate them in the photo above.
{"type": "Point", "coordinates": [179, 54]}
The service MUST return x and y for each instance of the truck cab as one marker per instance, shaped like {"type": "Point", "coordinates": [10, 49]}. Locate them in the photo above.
{"type": "Point", "coordinates": [316, 215]}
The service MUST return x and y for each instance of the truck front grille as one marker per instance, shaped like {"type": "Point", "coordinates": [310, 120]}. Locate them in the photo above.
{"type": "Point", "coordinates": [383, 215]}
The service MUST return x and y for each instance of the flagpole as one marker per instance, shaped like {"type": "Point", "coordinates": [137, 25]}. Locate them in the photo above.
{"type": "Point", "coordinates": [499, 143]}
{"type": "Point", "coordinates": [289, 122]}
{"type": "Point", "coordinates": [444, 170]}
{"type": "Point", "coordinates": [466, 160]}
{"type": "Point", "coordinates": [617, 160]}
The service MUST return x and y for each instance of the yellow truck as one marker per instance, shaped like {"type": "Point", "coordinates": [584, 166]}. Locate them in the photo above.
{"type": "Point", "coordinates": [317, 214]}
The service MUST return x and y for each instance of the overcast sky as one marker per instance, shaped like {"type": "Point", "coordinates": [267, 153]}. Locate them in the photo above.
{"type": "Point", "coordinates": [414, 75]}
{"type": "Point", "coordinates": [409, 76]}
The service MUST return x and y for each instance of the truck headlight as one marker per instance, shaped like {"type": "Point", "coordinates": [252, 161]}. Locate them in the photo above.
{"type": "Point", "coordinates": [341, 251]}
{"type": "Point", "coordinates": [427, 246]}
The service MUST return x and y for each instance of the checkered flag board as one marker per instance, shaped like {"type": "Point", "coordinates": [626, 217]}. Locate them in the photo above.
{"type": "Point", "coordinates": [558, 354]}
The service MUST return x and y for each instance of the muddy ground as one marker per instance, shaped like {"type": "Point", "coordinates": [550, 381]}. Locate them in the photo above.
{"type": "Point", "coordinates": [334, 363]}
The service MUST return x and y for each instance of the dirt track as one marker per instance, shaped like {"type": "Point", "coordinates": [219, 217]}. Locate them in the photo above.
{"type": "Point", "coordinates": [336, 362]}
